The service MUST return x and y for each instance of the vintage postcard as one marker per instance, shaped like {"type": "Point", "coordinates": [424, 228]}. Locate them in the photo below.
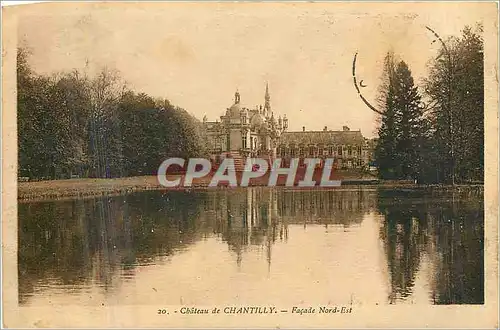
{"type": "Point", "coordinates": [244, 165]}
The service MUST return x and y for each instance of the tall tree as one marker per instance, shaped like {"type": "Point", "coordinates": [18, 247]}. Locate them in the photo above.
{"type": "Point", "coordinates": [386, 148]}
{"type": "Point", "coordinates": [69, 124]}
{"type": "Point", "coordinates": [104, 130]}
{"type": "Point", "coordinates": [74, 103]}
{"type": "Point", "coordinates": [455, 87]}
{"type": "Point", "coordinates": [388, 72]}
{"type": "Point", "coordinates": [154, 130]}
{"type": "Point", "coordinates": [47, 144]}
{"type": "Point", "coordinates": [409, 119]}
{"type": "Point", "coordinates": [398, 151]}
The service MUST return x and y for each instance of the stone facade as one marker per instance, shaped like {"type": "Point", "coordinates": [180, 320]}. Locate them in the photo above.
{"type": "Point", "coordinates": [246, 132]}
{"type": "Point", "coordinates": [243, 132]}
{"type": "Point", "coordinates": [349, 148]}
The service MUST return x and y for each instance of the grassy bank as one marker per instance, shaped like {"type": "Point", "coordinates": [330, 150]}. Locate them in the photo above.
{"type": "Point", "coordinates": [81, 188]}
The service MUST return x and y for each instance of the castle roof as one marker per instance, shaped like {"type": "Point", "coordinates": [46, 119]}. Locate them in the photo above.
{"type": "Point", "coordinates": [234, 111]}
{"type": "Point", "coordinates": [258, 121]}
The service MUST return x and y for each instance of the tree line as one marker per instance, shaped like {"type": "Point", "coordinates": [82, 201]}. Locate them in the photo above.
{"type": "Point", "coordinates": [437, 135]}
{"type": "Point", "coordinates": [73, 124]}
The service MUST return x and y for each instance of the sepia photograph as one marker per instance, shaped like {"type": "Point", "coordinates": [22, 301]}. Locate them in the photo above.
{"type": "Point", "coordinates": [274, 165]}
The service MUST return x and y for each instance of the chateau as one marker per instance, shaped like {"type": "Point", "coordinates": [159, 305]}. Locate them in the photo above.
{"type": "Point", "coordinates": [243, 132]}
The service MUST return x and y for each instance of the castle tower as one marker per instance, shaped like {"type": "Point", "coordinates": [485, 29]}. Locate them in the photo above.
{"type": "Point", "coordinates": [267, 104]}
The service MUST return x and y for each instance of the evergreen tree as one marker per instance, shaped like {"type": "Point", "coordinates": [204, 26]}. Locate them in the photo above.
{"type": "Point", "coordinates": [388, 72]}
{"type": "Point", "coordinates": [401, 135]}
{"type": "Point", "coordinates": [409, 122]}
{"type": "Point", "coordinates": [386, 147]}
{"type": "Point", "coordinates": [385, 151]}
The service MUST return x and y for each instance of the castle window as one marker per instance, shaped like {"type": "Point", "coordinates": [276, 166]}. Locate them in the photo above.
{"type": "Point", "coordinates": [244, 142]}
{"type": "Point", "coordinates": [349, 151]}
{"type": "Point", "coordinates": [311, 151]}
{"type": "Point", "coordinates": [339, 151]}
{"type": "Point", "coordinates": [331, 150]}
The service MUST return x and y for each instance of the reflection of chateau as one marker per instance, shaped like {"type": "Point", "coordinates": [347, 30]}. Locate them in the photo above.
{"type": "Point", "coordinates": [261, 216]}
{"type": "Point", "coordinates": [325, 207]}
{"type": "Point", "coordinates": [103, 236]}
{"type": "Point", "coordinates": [103, 240]}
{"type": "Point", "coordinates": [244, 132]}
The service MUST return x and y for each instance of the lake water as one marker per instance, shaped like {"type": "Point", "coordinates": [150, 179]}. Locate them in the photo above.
{"type": "Point", "coordinates": [253, 246]}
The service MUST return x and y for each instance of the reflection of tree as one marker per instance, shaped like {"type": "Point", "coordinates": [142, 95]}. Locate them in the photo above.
{"type": "Point", "coordinates": [459, 231]}
{"type": "Point", "coordinates": [403, 232]}
{"type": "Point", "coordinates": [450, 229]}
{"type": "Point", "coordinates": [58, 241]}
{"type": "Point", "coordinates": [102, 240]}
{"type": "Point", "coordinates": [76, 243]}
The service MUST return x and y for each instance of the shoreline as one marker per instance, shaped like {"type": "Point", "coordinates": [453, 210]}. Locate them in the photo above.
{"type": "Point", "coordinates": [91, 188]}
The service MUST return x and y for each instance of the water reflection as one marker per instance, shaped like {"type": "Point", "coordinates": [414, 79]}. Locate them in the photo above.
{"type": "Point", "coordinates": [445, 231]}
{"type": "Point", "coordinates": [79, 245]}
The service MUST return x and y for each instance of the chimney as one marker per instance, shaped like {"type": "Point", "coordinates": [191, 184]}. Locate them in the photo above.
{"type": "Point", "coordinates": [345, 128]}
{"type": "Point", "coordinates": [325, 129]}
{"type": "Point", "coordinates": [303, 128]}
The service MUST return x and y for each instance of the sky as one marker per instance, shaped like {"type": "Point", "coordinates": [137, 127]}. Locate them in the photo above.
{"type": "Point", "coordinates": [198, 55]}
